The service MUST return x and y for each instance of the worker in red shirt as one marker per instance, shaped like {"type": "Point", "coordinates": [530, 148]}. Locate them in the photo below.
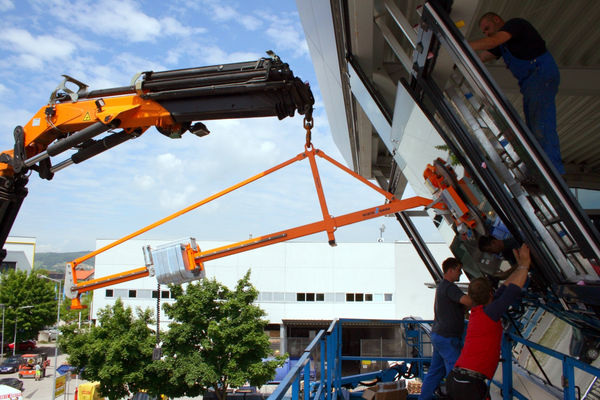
{"type": "Point", "coordinates": [481, 352]}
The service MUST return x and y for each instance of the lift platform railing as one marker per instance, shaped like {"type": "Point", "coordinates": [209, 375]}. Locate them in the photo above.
{"type": "Point", "coordinates": [331, 382]}
{"type": "Point", "coordinates": [301, 370]}
{"type": "Point", "coordinates": [568, 382]}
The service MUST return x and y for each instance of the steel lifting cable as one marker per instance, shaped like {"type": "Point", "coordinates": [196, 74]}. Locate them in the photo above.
{"type": "Point", "coordinates": [308, 124]}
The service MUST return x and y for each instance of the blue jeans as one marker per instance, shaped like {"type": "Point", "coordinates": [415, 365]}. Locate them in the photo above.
{"type": "Point", "coordinates": [445, 353]}
{"type": "Point", "coordinates": [539, 80]}
{"type": "Point", "coordinates": [540, 114]}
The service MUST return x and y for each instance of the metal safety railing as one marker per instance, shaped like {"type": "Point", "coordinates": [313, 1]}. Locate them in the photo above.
{"type": "Point", "coordinates": [301, 370]}
{"type": "Point", "coordinates": [326, 350]}
{"type": "Point", "coordinates": [570, 389]}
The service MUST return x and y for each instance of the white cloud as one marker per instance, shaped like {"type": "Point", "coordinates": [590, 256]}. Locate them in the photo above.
{"type": "Point", "coordinates": [168, 162]}
{"type": "Point", "coordinates": [251, 23]}
{"type": "Point", "coordinates": [222, 13]}
{"type": "Point", "coordinates": [6, 5]}
{"type": "Point", "coordinates": [225, 13]}
{"type": "Point", "coordinates": [287, 34]}
{"type": "Point", "coordinates": [214, 55]}
{"type": "Point", "coordinates": [115, 73]}
{"type": "Point", "coordinates": [121, 19]}
{"type": "Point", "coordinates": [144, 182]}
{"type": "Point", "coordinates": [267, 147]}
{"type": "Point", "coordinates": [32, 50]}
{"type": "Point", "coordinates": [173, 27]}
{"type": "Point", "coordinates": [176, 199]}
{"type": "Point", "coordinates": [12, 115]}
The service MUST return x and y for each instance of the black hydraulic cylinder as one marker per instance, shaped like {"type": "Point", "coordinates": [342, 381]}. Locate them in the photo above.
{"type": "Point", "coordinates": [118, 91]}
{"type": "Point", "coordinates": [262, 70]}
{"type": "Point", "coordinates": [101, 145]}
{"type": "Point", "coordinates": [203, 81]}
{"type": "Point", "coordinates": [233, 68]}
{"type": "Point", "coordinates": [77, 138]}
{"type": "Point", "coordinates": [12, 193]}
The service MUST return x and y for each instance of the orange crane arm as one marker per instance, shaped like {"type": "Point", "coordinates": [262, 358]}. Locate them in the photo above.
{"type": "Point", "coordinates": [194, 258]}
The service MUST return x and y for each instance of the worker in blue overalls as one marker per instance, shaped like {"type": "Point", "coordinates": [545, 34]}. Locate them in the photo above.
{"type": "Point", "coordinates": [525, 54]}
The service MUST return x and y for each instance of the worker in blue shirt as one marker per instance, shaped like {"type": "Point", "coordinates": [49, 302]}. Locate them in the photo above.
{"type": "Point", "coordinates": [449, 309]}
{"type": "Point", "coordinates": [525, 54]}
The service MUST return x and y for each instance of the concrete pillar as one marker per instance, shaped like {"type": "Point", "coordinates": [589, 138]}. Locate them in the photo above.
{"type": "Point", "coordinates": [282, 339]}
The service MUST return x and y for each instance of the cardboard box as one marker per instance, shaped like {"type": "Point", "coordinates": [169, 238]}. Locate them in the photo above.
{"type": "Point", "coordinates": [386, 391]}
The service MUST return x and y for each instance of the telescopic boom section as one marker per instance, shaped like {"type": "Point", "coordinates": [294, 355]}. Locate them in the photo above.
{"type": "Point", "coordinates": [184, 262]}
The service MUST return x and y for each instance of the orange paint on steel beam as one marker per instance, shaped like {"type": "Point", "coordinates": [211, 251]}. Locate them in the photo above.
{"type": "Point", "coordinates": [111, 280]}
{"type": "Point", "coordinates": [330, 228]}
{"type": "Point", "coordinates": [312, 228]}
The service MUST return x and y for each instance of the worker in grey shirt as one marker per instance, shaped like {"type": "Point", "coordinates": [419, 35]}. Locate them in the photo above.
{"type": "Point", "coordinates": [448, 326]}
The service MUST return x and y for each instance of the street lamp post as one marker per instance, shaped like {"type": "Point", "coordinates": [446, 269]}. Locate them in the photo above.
{"type": "Point", "coordinates": [57, 322]}
{"type": "Point", "coordinates": [16, 318]}
{"type": "Point", "coordinates": [2, 345]}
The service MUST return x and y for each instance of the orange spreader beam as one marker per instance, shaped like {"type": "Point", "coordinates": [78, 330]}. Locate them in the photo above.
{"type": "Point", "coordinates": [328, 224]}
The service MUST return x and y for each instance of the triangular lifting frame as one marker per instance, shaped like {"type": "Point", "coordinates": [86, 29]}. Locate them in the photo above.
{"type": "Point", "coordinates": [196, 257]}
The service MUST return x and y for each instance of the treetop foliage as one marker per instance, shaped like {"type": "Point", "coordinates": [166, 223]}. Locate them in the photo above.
{"type": "Point", "coordinates": [216, 340]}
{"type": "Point", "coordinates": [115, 351]}
{"type": "Point", "coordinates": [19, 289]}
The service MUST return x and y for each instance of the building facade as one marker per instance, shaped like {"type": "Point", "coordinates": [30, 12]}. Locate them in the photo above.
{"type": "Point", "coordinates": [20, 254]}
{"type": "Point", "coordinates": [301, 285]}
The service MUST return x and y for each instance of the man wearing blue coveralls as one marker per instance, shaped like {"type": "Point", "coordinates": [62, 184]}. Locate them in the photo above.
{"type": "Point", "coordinates": [525, 54]}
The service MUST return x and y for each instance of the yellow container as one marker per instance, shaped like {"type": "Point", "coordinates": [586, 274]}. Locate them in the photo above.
{"type": "Point", "coordinates": [89, 391]}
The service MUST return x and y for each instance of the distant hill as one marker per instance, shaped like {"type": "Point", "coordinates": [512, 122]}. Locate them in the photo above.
{"type": "Point", "coordinates": [57, 261]}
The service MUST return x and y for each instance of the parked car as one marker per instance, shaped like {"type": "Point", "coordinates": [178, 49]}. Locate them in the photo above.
{"type": "Point", "coordinates": [145, 396]}
{"type": "Point", "coordinates": [12, 382]}
{"type": "Point", "coordinates": [26, 345]}
{"type": "Point", "coordinates": [11, 364]}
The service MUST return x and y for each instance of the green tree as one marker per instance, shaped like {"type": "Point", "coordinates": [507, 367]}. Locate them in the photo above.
{"type": "Point", "coordinates": [115, 352]}
{"type": "Point", "coordinates": [18, 289]}
{"type": "Point", "coordinates": [217, 340]}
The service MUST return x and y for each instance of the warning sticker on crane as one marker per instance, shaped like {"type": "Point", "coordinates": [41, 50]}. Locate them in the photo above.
{"type": "Point", "coordinates": [87, 117]}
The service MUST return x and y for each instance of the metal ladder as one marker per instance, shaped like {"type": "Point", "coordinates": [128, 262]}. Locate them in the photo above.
{"type": "Point", "coordinates": [495, 141]}
{"type": "Point", "coordinates": [593, 392]}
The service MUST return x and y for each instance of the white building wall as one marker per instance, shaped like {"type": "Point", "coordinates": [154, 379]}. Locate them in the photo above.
{"type": "Point", "coordinates": [20, 250]}
{"type": "Point", "coordinates": [392, 273]}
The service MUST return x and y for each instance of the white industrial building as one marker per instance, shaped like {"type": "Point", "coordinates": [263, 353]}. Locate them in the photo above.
{"type": "Point", "coordinates": [300, 284]}
{"type": "Point", "coordinates": [20, 253]}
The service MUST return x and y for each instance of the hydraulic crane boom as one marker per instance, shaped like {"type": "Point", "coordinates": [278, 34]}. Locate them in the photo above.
{"type": "Point", "coordinates": [172, 101]}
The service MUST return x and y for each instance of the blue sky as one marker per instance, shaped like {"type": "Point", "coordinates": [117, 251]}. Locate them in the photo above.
{"type": "Point", "coordinates": [104, 43]}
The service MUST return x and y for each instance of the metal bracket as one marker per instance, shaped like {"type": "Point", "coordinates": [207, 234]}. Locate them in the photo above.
{"type": "Point", "coordinates": [62, 87]}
